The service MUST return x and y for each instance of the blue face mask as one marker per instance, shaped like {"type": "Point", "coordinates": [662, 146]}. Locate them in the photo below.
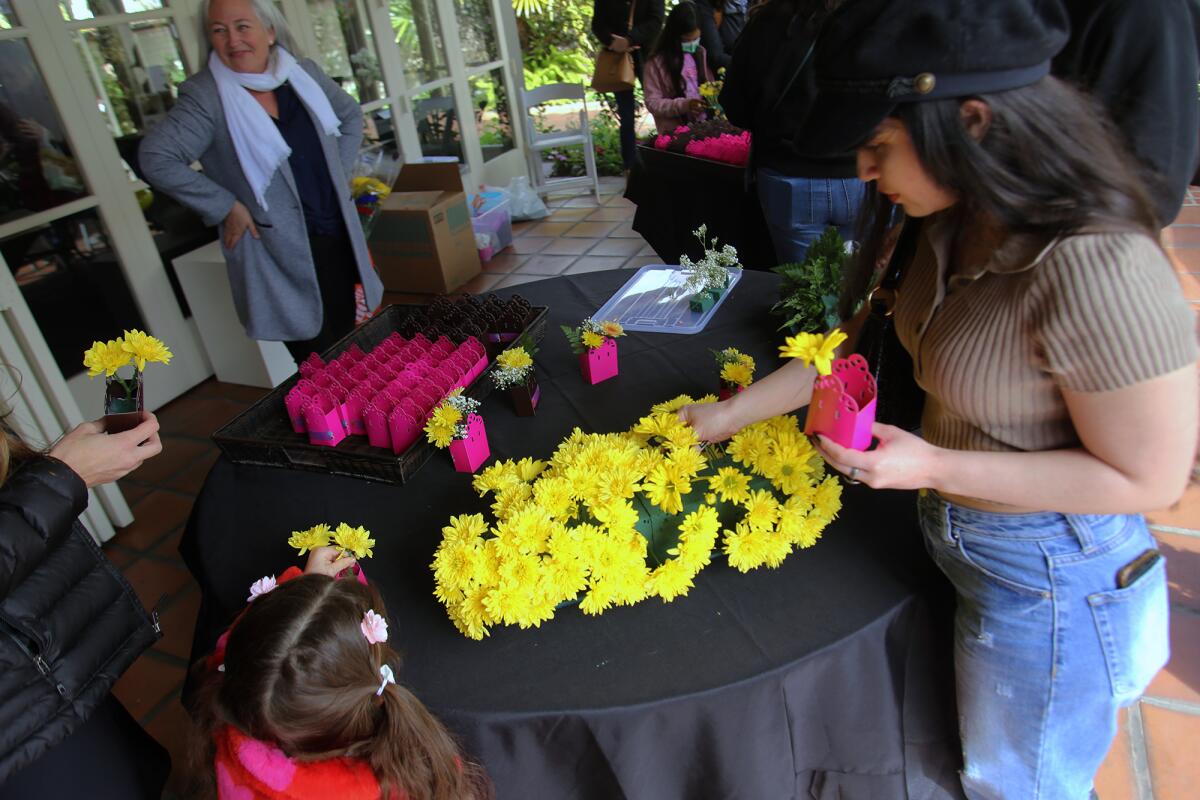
{"type": "Point", "coordinates": [690, 47]}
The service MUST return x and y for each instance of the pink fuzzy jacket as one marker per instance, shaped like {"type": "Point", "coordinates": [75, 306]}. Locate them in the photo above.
{"type": "Point", "coordinates": [669, 110]}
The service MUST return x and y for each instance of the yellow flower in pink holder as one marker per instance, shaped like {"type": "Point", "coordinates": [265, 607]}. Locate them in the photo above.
{"type": "Point", "coordinates": [814, 349]}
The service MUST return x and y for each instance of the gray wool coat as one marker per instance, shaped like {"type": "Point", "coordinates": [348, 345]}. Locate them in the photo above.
{"type": "Point", "coordinates": [273, 279]}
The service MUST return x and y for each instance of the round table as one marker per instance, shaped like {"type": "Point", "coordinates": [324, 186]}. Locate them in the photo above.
{"type": "Point", "coordinates": [828, 677]}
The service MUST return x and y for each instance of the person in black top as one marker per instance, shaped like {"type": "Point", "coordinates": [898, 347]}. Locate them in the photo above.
{"type": "Point", "coordinates": [610, 24]}
{"type": "Point", "coordinates": [721, 23]}
{"type": "Point", "coordinates": [768, 90]}
{"type": "Point", "coordinates": [1138, 59]}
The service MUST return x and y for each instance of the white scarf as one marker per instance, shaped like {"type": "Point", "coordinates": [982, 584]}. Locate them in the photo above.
{"type": "Point", "coordinates": [258, 143]}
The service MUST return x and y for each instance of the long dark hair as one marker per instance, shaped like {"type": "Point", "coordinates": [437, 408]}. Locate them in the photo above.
{"type": "Point", "coordinates": [684, 18]}
{"type": "Point", "coordinates": [299, 673]}
{"type": "Point", "coordinates": [1049, 164]}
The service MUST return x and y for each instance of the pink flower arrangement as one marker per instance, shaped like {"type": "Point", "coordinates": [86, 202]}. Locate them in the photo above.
{"type": "Point", "coordinates": [728, 148]}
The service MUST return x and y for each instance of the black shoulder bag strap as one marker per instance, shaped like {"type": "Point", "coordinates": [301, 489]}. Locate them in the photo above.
{"type": "Point", "coordinates": [900, 400]}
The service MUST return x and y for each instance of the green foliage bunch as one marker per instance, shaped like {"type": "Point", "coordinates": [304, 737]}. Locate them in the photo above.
{"type": "Point", "coordinates": [809, 292]}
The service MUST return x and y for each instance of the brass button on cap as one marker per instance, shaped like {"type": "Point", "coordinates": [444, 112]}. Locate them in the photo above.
{"type": "Point", "coordinates": [924, 83]}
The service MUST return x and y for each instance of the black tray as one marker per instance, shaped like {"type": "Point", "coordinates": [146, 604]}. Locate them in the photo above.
{"type": "Point", "coordinates": [263, 435]}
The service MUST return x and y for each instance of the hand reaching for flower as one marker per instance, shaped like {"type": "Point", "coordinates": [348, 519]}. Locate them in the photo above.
{"type": "Point", "coordinates": [327, 561]}
{"type": "Point", "coordinates": [713, 422]}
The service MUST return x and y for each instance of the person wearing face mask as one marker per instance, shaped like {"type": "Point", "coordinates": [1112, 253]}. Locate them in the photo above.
{"type": "Point", "coordinates": [277, 139]}
{"type": "Point", "coordinates": [675, 71]}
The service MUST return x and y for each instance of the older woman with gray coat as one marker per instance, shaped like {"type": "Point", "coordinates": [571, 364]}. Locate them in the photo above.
{"type": "Point", "coordinates": [277, 139]}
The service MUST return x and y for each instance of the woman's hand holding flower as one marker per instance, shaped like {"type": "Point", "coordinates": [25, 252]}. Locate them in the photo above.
{"type": "Point", "coordinates": [327, 561]}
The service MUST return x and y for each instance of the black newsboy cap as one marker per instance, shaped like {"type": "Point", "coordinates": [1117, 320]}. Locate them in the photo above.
{"type": "Point", "coordinates": [872, 55]}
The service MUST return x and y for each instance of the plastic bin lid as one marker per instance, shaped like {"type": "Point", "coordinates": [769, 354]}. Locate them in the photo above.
{"type": "Point", "coordinates": [491, 201]}
{"type": "Point", "coordinates": [654, 301]}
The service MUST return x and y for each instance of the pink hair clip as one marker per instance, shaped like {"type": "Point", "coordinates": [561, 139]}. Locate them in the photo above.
{"type": "Point", "coordinates": [374, 627]}
{"type": "Point", "coordinates": [261, 587]}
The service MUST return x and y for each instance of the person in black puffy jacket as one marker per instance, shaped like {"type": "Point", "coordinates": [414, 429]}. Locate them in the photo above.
{"type": "Point", "coordinates": [69, 625]}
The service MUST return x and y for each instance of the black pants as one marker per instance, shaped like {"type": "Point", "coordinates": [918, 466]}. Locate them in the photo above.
{"type": "Point", "coordinates": [337, 273]}
{"type": "Point", "coordinates": [109, 757]}
{"type": "Point", "coordinates": [626, 113]}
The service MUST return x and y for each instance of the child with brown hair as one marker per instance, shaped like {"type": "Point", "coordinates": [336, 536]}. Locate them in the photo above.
{"type": "Point", "coordinates": [300, 700]}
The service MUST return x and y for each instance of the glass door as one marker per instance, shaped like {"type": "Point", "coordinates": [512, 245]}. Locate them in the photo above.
{"type": "Point", "coordinates": [78, 80]}
{"type": "Point", "coordinates": [434, 77]}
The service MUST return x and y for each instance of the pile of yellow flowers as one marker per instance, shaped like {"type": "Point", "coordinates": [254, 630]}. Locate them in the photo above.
{"type": "Point", "coordinates": [449, 419]}
{"type": "Point", "coordinates": [349, 540]}
{"type": "Point", "coordinates": [135, 347]}
{"type": "Point", "coordinates": [737, 368]}
{"type": "Point", "coordinates": [583, 524]}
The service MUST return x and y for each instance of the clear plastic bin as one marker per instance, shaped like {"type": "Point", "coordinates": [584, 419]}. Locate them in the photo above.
{"type": "Point", "coordinates": [654, 301]}
{"type": "Point", "coordinates": [492, 219]}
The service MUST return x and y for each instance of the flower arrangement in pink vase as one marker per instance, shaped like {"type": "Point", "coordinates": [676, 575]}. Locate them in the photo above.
{"type": "Point", "coordinates": [844, 394]}
{"type": "Point", "coordinates": [515, 372]}
{"type": "Point", "coordinates": [455, 424]}
{"type": "Point", "coordinates": [736, 371]}
{"type": "Point", "coordinates": [596, 345]}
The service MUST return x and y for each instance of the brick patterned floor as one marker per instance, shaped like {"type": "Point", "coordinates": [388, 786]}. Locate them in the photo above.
{"type": "Point", "coordinates": [1152, 758]}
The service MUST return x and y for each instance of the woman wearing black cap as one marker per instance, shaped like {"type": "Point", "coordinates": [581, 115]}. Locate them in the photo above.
{"type": "Point", "coordinates": [1057, 355]}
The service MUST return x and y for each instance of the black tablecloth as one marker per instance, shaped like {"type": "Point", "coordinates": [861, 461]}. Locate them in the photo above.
{"type": "Point", "coordinates": [823, 678]}
{"type": "Point", "coordinates": [675, 194]}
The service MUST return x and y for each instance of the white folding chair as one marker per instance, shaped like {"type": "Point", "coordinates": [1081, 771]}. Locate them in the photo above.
{"type": "Point", "coordinates": [539, 142]}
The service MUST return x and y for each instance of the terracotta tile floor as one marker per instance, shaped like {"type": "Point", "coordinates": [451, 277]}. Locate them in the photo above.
{"type": "Point", "coordinates": [1153, 758]}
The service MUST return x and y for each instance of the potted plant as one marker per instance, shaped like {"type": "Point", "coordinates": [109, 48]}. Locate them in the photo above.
{"type": "Point", "coordinates": [122, 361]}
{"type": "Point", "coordinates": [707, 279]}
{"type": "Point", "coordinates": [515, 371]}
{"type": "Point", "coordinates": [454, 424]}
{"type": "Point", "coordinates": [736, 371]}
{"type": "Point", "coordinates": [809, 293]}
{"type": "Point", "coordinates": [596, 345]}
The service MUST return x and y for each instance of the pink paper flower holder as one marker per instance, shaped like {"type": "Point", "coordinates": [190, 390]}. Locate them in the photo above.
{"type": "Point", "coordinates": [843, 404]}
{"type": "Point", "coordinates": [469, 453]}
{"type": "Point", "coordinates": [599, 363]}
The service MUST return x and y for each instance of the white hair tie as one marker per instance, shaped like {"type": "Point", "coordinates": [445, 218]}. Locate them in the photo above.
{"type": "Point", "coordinates": [385, 672]}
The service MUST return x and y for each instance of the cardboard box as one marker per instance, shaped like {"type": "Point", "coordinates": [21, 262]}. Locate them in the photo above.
{"type": "Point", "coordinates": [423, 240]}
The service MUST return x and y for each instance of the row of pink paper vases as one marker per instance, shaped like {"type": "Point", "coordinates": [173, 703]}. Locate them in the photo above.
{"type": "Point", "coordinates": [388, 392]}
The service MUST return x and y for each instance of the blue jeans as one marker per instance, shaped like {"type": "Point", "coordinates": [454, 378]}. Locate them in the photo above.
{"type": "Point", "coordinates": [1046, 646]}
{"type": "Point", "coordinates": [798, 210]}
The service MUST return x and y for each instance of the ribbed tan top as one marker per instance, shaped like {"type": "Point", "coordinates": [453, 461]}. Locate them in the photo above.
{"type": "Point", "coordinates": [993, 349]}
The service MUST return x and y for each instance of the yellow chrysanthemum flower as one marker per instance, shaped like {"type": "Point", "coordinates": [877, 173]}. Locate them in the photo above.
{"type": "Point", "coordinates": [730, 484]}
{"type": "Point", "coordinates": [515, 358]}
{"type": "Point", "coordinates": [762, 510]}
{"type": "Point", "coordinates": [353, 541]}
{"type": "Point", "coordinates": [737, 374]}
{"type": "Point", "coordinates": [670, 580]}
{"type": "Point", "coordinates": [106, 357]}
{"type": "Point", "coordinates": [464, 526]}
{"type": "Point", "coordinates": [592, 340]}
{"type": "Point", "coordinates": [672, 405]}
{"type": "Point", "coordinates": [612, 329]}
{"type": "Point", "coordinates": [311, 539]}
{"type": "Point", "coordinates": [443, 425]}
{"type": "Point", "coordinates": [814, 348]}
{"type": "Point", "coordinates": [144, 348]}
